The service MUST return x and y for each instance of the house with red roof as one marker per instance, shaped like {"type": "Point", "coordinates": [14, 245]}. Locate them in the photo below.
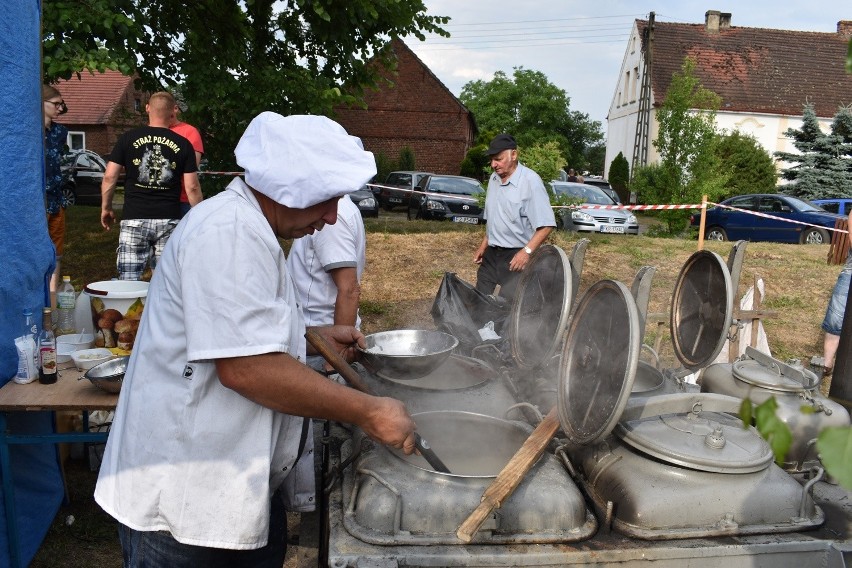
{"type": "Point", "coordinates": [413, 108]}
{"type": "Point", "coordinates": [101, 107]}
{"type": "Point", "coordinates": [763, 76]}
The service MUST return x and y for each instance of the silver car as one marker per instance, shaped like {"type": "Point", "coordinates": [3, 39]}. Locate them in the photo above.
{"type": "Point", "coordinates": [587, 219]}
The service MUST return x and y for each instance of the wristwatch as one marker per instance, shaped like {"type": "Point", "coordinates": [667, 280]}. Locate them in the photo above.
{"type": "Point", "coordinates": [528, 250]}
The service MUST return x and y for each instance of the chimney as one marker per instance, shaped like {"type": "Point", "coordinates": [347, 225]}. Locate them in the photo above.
{"type": "Point", "coordinates": [714, 20]}
{"type": "Point", "coordinates": [844, 29]}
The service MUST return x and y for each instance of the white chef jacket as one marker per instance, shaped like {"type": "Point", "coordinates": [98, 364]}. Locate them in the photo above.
{"type": "Point", "coordinates": [185, 454]}
{"type": "Point", "coordinates": [311, 257]}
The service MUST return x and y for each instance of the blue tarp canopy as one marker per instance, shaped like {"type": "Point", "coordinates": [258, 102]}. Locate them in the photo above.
{"type": "Point", "coordinates": [27, 257]}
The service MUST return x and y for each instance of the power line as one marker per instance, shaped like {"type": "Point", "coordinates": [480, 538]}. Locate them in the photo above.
{"type": "Point", "coordinates": [515, 22]}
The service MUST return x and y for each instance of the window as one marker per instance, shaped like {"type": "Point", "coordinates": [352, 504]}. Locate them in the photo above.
{"type": "Point", "coordinates": [636, 87]}
{"type": "Point", "coordinates": [76, 140]}
{"type": "Point", "coordinates": [628, 87]}
{"type": "Point", "coordinates": [137, 104]}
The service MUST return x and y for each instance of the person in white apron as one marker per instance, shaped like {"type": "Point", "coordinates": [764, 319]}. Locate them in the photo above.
{"type": "Point", "coordinates": [209, 424]}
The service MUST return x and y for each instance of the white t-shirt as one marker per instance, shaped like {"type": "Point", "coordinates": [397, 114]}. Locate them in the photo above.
{"type": "Point", "coordinates": [185, 454]}
{"type": "Point", "coordinates": [311, 257]}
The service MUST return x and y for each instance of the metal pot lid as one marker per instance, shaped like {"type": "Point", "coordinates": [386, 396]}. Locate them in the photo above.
{"type": "Point", "coordinates": [599, 362]}
{"type": "Point", "coordinates": [762, 370]}
{"type": "Point", "coordinates": [702, 309]}
{"type": "Point", "coordinates": [541, 307]}
{"type": "Point", "coordinates": [704, 441]}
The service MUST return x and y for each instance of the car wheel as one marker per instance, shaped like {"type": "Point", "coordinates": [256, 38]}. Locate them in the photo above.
{"type": "Point", "coordinates": [814, 236]}
{"type": "Point", "coordinates": [716, 234]}
{"type": "Point", "coordinates": [69, 194]}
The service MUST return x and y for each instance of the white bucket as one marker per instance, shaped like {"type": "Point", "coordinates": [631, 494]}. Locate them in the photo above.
{"type": "Point", "coordinates": [125, 300]}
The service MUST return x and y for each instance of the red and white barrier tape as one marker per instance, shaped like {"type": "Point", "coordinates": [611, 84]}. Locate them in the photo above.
{"type": "Point", "coordinates": [631, 207]}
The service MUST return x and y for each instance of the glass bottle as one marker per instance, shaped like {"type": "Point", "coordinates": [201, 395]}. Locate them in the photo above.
{"type": "Point", "coordinates": [47, 373]}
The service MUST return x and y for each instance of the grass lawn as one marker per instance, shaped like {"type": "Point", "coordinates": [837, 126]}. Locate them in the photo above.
{"type": "Point", "coordinates": [406, 261]}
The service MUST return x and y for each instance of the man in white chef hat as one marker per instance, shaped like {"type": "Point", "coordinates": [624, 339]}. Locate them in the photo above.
{"type": "Point", "coordinates": [209, 424]}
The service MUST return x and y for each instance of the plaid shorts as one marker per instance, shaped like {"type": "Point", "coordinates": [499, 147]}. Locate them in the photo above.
{"type": "Point", "coordinates": [139, 241]}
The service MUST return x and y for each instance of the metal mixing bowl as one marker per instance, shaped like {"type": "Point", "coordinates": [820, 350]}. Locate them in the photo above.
{"type": "Point", "coordinates": [108, 375]}
{"type": "Point", "coordinates": [407, 354]}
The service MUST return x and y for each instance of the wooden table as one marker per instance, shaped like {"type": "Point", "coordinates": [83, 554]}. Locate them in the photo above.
{"type": "Point", "coordinates": [68, 393]}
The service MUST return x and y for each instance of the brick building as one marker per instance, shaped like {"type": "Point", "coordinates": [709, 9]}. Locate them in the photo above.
{"type": "Point", "coordinates": [101, 107]}
{"type": "Point", "coordinates": [417, 111]}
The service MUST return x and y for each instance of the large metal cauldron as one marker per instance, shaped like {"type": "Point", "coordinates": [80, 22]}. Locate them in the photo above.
{"type": "Point", "coordinates": [393, 499]}
{"type": "Point", "coordinates": [758, 376]}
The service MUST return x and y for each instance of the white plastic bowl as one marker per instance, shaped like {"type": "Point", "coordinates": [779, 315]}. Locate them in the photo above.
{"type": "Point", "coordinates": [75, 341]}
{"type": "Point", "coordinates": [85, 359]}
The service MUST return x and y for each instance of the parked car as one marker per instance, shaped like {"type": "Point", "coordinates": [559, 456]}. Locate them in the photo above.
{"type": "Point", "coordinates": [726, 224]}
{"type": "Point", "coordinates": [82, 174]}
{"type": "Point", "coordinates": [366, 202]}
{"type": "Point", "coordinates": [398, 190]}
{"type": "Point", "coordinates": [589, 219]}
{"type": "Point", "coordinates": [841, 206]}
{"type": "Point", "coordinates": [443, 198]}
{"type": "Point", "coordinates": [604, 185]}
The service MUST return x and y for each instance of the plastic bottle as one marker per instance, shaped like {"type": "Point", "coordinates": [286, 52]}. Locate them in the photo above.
{"type": "Point", "coordinates": [47, 350]}
{"type": "Point", "coordinates": [31, 330]}
{"type": "Point", "coordinates": [65, 305]}
{"type": "Point", "coordinates": [27, 352]}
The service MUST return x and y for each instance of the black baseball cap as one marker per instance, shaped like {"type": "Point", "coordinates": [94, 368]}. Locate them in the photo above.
{"type": "Point", "coordinates": [501, 142]}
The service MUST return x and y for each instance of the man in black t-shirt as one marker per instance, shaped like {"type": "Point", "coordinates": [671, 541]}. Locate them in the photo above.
{"type": "Point", "coordinates": [156, 160]}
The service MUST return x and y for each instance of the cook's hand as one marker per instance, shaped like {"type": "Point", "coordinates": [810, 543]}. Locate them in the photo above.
{"type": "Point", "coordinates": [388, 422]}
{"type": "Point", "coordinates": [519, 261]}
{"type": "Point", "coordinates": [343, 339]}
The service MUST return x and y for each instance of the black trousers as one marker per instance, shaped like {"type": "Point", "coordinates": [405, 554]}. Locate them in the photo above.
{"type": "Point", "coordinates": [494, 270]}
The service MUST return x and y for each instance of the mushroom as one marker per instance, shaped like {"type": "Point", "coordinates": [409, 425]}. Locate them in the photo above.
{"type": "Point", "coordinates": [126, 325]}
{"type": "Point", "coordinates": [125, 340]}
{"type": "Point", "coordinates": [112, 315]}
{"type": "Point", "coordinates": [106, 325]}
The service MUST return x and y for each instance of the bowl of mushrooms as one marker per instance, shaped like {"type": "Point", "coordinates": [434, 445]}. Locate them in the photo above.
{"type": "Point", "coordinates": [117, 307]}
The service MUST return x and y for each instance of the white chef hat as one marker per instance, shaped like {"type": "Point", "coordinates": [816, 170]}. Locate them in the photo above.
{"type": "Point", "coordinates": [302, 160]}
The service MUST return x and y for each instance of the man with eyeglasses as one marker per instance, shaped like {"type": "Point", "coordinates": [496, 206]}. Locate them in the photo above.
{"type": "Point", "coordinates": [156, 161]}
{"type": "Point", "coordinates": [55, 136]}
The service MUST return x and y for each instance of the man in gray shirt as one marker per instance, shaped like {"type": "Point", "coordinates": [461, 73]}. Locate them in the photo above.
{"type": "Point", "coordinates": [519, 219]}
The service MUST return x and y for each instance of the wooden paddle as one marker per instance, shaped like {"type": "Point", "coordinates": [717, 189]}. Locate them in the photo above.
{"type": "Point", "coordinates": [511, 475]}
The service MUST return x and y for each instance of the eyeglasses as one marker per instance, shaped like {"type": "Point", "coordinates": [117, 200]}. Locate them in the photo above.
{"type": "Point", "coordinates": [60, 106]}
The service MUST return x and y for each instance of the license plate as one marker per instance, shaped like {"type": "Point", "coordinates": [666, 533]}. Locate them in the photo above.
{"type": "Point", "coordinates": [471, 220]}
{"type": "Point", "coordinates": [606, 229]}
{"type": "Point", "coordinates": [395, 199]}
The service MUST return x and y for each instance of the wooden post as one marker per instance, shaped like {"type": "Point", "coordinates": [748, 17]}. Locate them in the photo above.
{"type": "Point", "coordinates": [839, 247]}
{"type": "Point", "coordinates": [755, 306]}
{"type": "Point", "coordinates": [703, 221]}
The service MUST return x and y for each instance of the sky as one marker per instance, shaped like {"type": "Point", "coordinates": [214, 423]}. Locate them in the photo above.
{"type": "Point", "coordinates": [579, 44]}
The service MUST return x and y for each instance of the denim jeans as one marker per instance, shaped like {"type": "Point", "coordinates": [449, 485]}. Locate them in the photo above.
{"type": "Point", "coordinates": [157, 549]}
{"type": "Point", "coordinates": [833, 321]}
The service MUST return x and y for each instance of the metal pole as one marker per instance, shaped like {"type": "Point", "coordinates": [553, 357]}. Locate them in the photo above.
{"type": "Point", "coordinates": [841, 380]}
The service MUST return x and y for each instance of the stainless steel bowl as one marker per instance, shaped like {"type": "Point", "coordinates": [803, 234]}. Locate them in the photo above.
{"type": "Point", "coordinates": [407, 354]}
{"type": "Point", "coordinates": [108, 375]}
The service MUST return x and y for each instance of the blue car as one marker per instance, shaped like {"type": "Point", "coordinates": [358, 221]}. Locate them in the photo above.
{"type": "Point", "coordinates": [726, 224]}
{"type": "Point", "coordinates": [841, 206]}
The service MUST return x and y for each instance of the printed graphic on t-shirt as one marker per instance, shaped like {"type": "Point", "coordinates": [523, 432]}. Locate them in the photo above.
{"type": "Point", "coordinates": [154, 169]}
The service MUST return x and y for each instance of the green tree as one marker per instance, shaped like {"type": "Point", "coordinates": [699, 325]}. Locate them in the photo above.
{"type": "Point", "coordinates": [406, 161]}
{"type": "Point", "coordinates": [823, 166]}
{"type": "Point", "coordinates": [595, 158]}
{"type": "Point", "coordinates": [476, 163]}
{"type": "Point", "coordinates": [234, 59]}
{"type": "Point", "coordinates": [544, 159]}
{"type": "Point", "coordinates": [750, 167]}
{"type": "Point", "coordinates": [384, 166]}
{"type": "Point", "coordinates": [689, 166]}
{"type": "Point", "coordinates": [534, 111]}
{"type": "Point", "coordinates": [619, 173]}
